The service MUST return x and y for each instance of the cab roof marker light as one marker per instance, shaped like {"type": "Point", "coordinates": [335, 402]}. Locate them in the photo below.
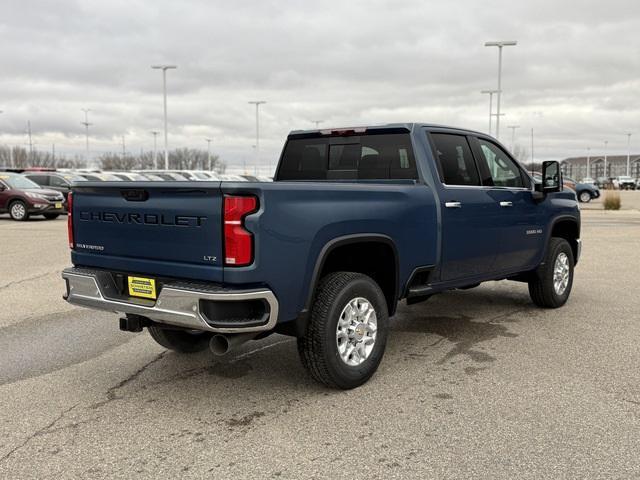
{"type": "Point", "coordinates": [343, 131]}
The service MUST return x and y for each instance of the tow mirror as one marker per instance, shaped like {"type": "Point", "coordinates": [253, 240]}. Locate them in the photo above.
{"type": "Point", "coordinates": [551, 177]}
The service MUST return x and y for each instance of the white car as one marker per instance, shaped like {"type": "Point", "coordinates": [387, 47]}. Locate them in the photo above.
{"type": "Point", "coordinates": [624, 182]}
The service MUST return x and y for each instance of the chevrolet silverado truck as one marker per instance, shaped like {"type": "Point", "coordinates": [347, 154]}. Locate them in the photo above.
{"type": "Point", "coordinates": [355, 221]}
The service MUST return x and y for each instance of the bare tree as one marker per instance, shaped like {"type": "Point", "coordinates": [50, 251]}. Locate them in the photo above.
{"type": "Point", "coordinates": [19, 157]}
{"type": "Point", "coordinates": [111, 161]}
{"type": "Point", "coordinates": [194, 159]}
{"type": "Point", "coordinates": [179, 159]}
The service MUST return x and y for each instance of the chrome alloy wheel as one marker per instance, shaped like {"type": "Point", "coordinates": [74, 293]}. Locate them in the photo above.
{"type": "Point", "coordinates": [585, 197]}
{"type": "Point", "coordinates": [561, 273]}
{"type": "Point", "coordinates": [356, 331]}
{"type": "Point", "coordinates": [18, 211]}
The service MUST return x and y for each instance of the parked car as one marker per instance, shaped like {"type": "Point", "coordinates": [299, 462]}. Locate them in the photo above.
{"type": "Point", "coordinates": [584, 191]}
{"type": "Point", "coordinates": [624, 182]}
{"type": "Point", "coordinates": [153, 177]}
{"type": "Point", "coordinates": [133, 176]}
{"type": "Point", "coordinates": [100, 177]}
{"type": "Point", "coordinates": [250, 178]}
{"type": "Point", "coordinates": [58, 181]}
{"type": "Point", "coordinates": [21, 198]}
{"type": "Point", "coordinates": [587, 192]}
{"type": "Point", "coordinates": [167, 176]}
{"type": "Point", "coordinates": [208, 175]}
{"type": "Point", "coordinates": [356, 220]}
{"type": "Point", "coordinates": [603, 182]}
{"type": "Point", "coordinates": [228, 177]}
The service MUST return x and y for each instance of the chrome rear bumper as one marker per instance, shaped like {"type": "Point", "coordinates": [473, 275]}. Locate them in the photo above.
{"type": "Point", "coordinates": [179, 303]}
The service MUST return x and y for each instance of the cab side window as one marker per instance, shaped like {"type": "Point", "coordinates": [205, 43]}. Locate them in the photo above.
{"type": "Point", "coordinates": [455, 160]}
{"type": "Point", "coordinates": [503, 170]}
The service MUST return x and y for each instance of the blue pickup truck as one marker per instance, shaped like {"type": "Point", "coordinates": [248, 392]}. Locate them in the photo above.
{"type": "Point", "coordinates": [356, 220]}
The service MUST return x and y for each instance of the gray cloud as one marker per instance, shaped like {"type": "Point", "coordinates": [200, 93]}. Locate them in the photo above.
{"type": "Point", "coordinates": [574, 77]}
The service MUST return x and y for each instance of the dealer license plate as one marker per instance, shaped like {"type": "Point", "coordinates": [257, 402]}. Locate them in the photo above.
{"type": "Point", "coordinates": [142, 287]}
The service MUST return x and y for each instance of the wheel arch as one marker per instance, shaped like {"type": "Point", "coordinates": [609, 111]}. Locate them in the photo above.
{"type": "Point", "coordinates": [335, 250]}
{"type": "Point", "coordinates": [567, 227]}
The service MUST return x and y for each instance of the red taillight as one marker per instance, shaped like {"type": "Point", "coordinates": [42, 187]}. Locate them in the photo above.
{"type": "Point", "coordinates": [70, 220]}
{"type": "Point", "coordinates": [238, 242]}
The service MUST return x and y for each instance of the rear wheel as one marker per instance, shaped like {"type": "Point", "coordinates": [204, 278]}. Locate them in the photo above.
{"type": "Point", "coordinates": [347, 332]}
{"type": "Point", "coordinates": [18, 211]}
{"type": "Point", "coordinates": [183, 341]}
{"type": "Point", "coordinates": [552, 281]}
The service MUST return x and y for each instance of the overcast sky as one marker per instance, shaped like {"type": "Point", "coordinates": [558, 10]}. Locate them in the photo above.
{"type": "Point", "coordinates": [574, 76]}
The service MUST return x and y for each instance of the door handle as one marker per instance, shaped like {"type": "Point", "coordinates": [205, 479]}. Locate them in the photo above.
{"type": "Point", "coordinates": [453, 204]}
{"type": "Point", "coordinates": [506, 204]}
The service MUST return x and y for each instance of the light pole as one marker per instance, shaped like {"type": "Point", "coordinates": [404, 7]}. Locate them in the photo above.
{"type": "Point", "coordinates": [606, 142]}
{"type": "Point", "coordinates": [588, 162]}
{"type": "Point", "coordinates": [317, 122]}
{"type": "Point", "coordinates": [532, 158]}
{"type": "Point", "coordinates": [490, 93]}
{"type": "Point", "coordinates": [507, 43]}
{"type": "Point", "coordinates": [86, 130]}
{"type": "Point", "coordinates": [30, 141]}
{"type": "Point", "coordinates": [164, 69]}
{"type": "Point", "coordinates": [257, 103]}
{"type": "Point", "coordinates": [208, 140]}
{"type": "Point", "coordinates": [155, 148]}
{"type": "Point", "coordinates": [628, 153]}
{"type": "Point", "coordinates": [513, 135]}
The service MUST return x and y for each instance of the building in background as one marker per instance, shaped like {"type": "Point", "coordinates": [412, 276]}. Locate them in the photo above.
{"type": "Point", "coordinates": [576, 167]}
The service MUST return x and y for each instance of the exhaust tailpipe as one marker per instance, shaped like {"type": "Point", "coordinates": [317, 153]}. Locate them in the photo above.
{"type": "Point", "coordinates": [222, 344]}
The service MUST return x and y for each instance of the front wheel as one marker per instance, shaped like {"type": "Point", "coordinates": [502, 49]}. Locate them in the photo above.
{"type": "Point", "coordinates": [182, 341]}
{"type": "Point", "coordinates": [347, 332]}
{"type": "Point", "coordinates": [51, 216]}
{"type": "Point", "coordinates": [584, 197]}
{"type": "Point", "coordinates": [18, 211]}
{"type": "Point", "coordinates": [551, 283]}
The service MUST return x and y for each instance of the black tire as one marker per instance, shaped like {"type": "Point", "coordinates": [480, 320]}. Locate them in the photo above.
{"type": "Point", "coordinates": [51, 216]}
{"type": "Point", "coordinates": [584, 196]}
{"type": "Point", "coordinates": [180, 340]}
{"type": "Point", "coordinates": [541, 286]}
{"type": "Point", "coordinates": [18, 211]}
{"type": "Point", "coordinates": [318, 348]}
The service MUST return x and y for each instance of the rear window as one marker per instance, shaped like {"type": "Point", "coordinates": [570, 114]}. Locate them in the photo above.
{"type": "Point", "coordinates": [366, 157]}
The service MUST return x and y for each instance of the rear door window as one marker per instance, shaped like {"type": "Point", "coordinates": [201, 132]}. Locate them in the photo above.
{"type": "Point", "coordinates": [456, 164]}
{"type": "Point", "coordinates": [366, 157]}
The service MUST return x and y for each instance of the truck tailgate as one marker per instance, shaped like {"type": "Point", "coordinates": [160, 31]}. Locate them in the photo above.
{"type": "Point", "coordinates": [154, 228]}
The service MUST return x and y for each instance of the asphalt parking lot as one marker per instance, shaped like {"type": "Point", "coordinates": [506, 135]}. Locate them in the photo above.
{"type": "Point", "coordinates": [474, 384]}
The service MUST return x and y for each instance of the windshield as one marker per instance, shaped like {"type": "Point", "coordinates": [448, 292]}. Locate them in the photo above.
{"type": "Point", "coordinates": [19, 182]}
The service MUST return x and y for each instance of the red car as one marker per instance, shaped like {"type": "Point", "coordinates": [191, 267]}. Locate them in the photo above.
{"type": "Point", "coordinates": [21, 198]}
